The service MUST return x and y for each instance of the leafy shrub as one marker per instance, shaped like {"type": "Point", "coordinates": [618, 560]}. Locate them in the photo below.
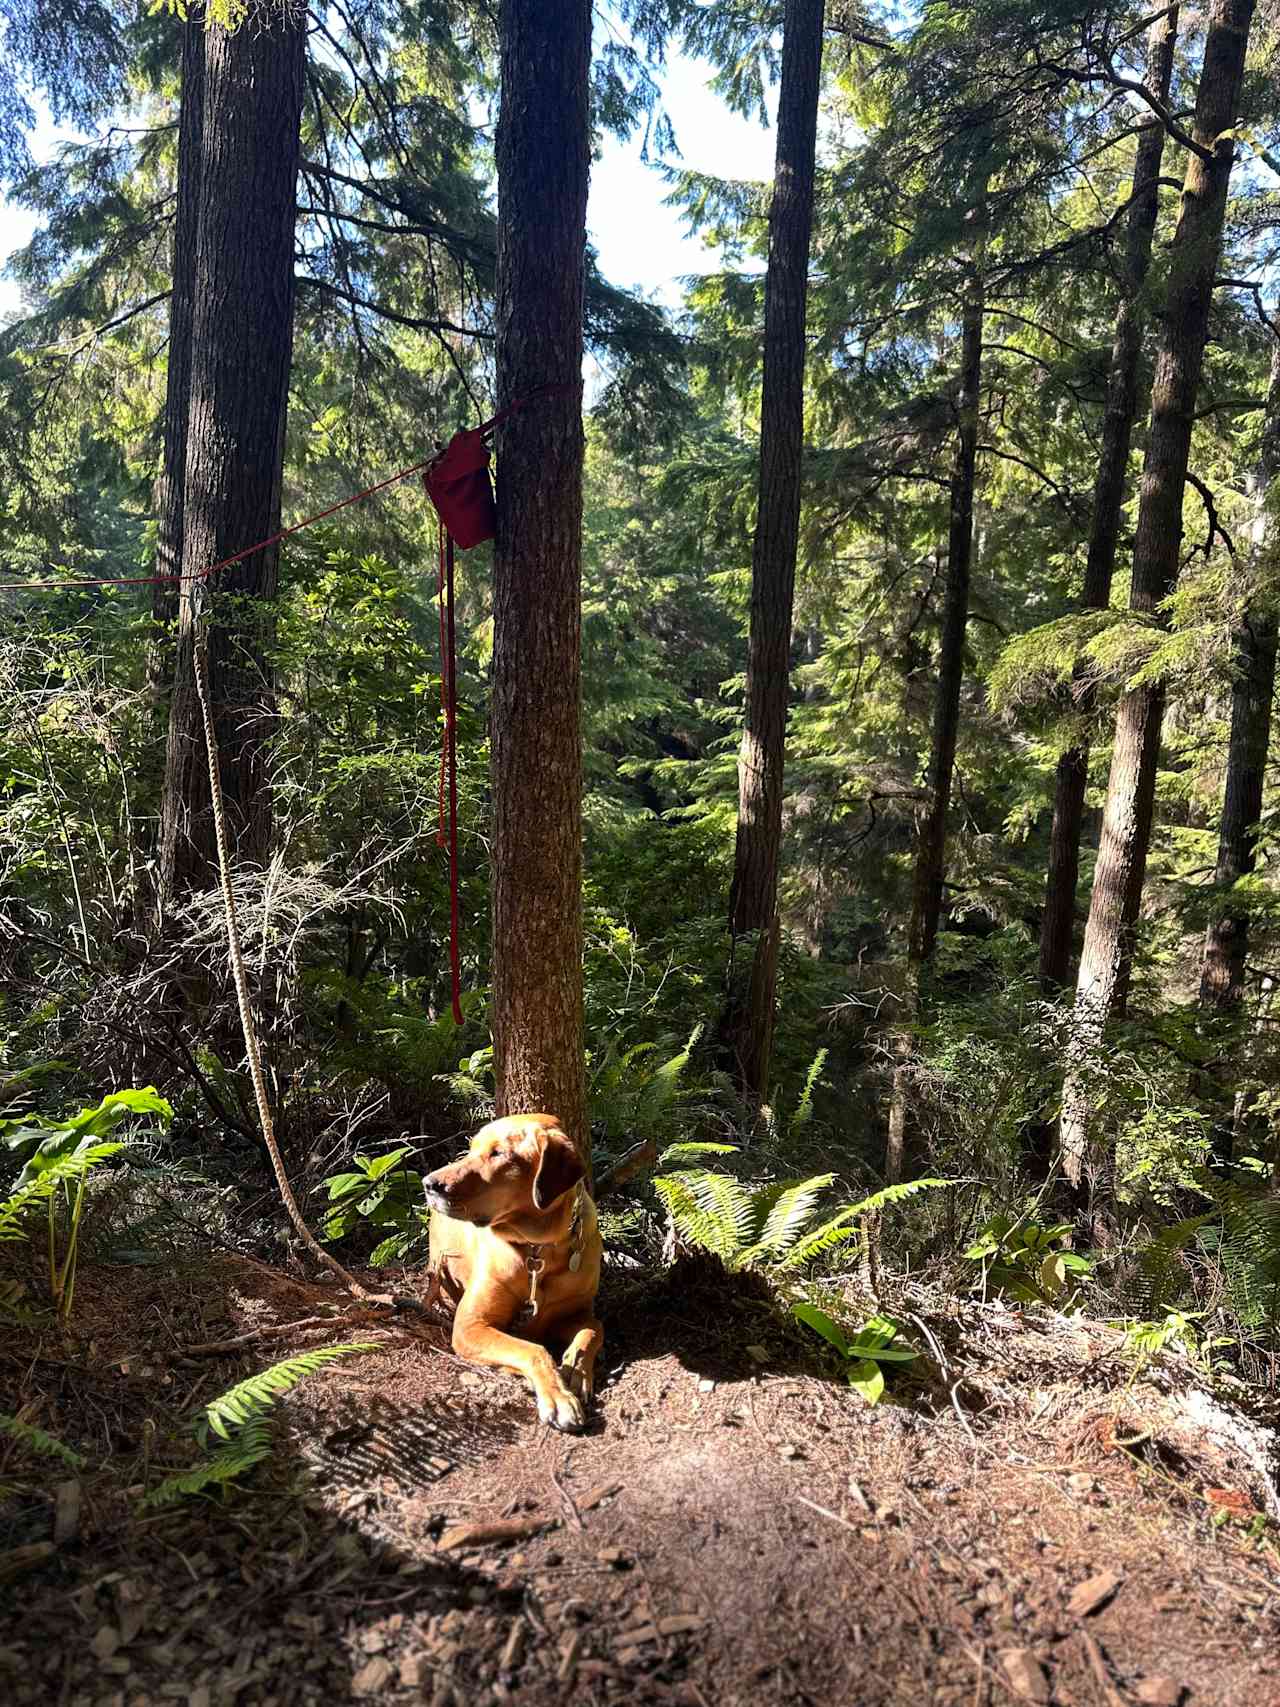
{"type": "Point", "coordinates": [864, 1354]}
{"type": "Point", "coordinates": [768, 1225]}
{"type": "Point", "coordinates": [378, 1190]}
{"type": "Point", "coordinates": [57, 1158]}
{"type": "Point", "coordinates": [1021, 1259]}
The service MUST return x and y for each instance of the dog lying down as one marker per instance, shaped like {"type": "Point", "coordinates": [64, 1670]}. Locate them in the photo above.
{"type": "Point", "coordinates": [515, 1245]}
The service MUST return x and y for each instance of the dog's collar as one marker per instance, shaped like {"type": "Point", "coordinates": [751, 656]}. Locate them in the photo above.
{"type": "Point", "coordinates": [535, 1261]}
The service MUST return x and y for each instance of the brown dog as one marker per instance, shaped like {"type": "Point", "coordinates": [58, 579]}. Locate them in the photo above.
{"type": "Point", "coordinates": [514, 1242]}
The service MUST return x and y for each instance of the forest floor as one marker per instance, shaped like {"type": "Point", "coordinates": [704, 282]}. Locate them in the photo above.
{"type": "Point", "coordinates": [1036, 1519]}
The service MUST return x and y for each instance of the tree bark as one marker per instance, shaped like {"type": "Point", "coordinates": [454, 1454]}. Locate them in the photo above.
{"type": "Point", "coordinates": [1107, 957]}
{"type": "Point", "coordinates": [747, 1023]}
{"type": "Point", "coordinates": [171, 480]}
{"type": "Point", "coordinates": [241, 346]}
{"type": "Point", "coordinates": [931, 842]}
{"type": "Point", "coordinates": [543, 156]}
{"type": "Point", "coordinates": [1226, 947]}
{"type": "Point", "coordinates": [1057, 925]}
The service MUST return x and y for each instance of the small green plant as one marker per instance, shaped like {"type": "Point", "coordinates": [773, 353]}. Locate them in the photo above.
{"type": "Point", "coordinates": [1236, 1241]}
{"type": "Point", "coordinates": [473, 1082]}
{"type": "Point", "coordinates": [1148, 1339]}
{"type": "Point", "coordinates": [239, 1419]}
{"type": "Point", "coordinates": [1026, 1261]}
{"type": "Point", "coordinates": [767, 1225]}
{"type": "Point", "coordinates": [378, 1190]}
{"type": "Point", "coordinates": [57, 1158]}
{"type": "Point", "coordinates": [866, 1353]}
{"type": "Point", "coordinates": [636, 1094]}
{"type": "Point", "coordinates": [782, 1127]}
{"type": "Point", "coordinates": [35, 1440]}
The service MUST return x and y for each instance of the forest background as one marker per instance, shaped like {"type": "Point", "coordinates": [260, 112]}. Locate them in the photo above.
{"type": "Point", "coordinates": [975, 278]}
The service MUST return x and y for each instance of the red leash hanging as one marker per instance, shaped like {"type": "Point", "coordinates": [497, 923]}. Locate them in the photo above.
{"type": "Point", "coordinates": [458, 484]}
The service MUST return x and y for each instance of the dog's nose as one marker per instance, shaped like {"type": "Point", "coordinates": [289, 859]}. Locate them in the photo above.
{"type": "Point", "coordinates": [436, 1188]}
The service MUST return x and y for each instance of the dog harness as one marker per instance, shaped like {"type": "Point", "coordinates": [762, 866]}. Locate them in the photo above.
{"type": "Point", "coordinates": [535, 1262]}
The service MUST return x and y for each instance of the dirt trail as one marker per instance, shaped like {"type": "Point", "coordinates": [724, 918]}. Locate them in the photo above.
{"type": "Point", "coordinates": [734, 1529]}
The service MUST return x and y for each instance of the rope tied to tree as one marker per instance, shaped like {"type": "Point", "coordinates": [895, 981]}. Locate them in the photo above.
{"type": "Point", "coordinates": [457, 481]}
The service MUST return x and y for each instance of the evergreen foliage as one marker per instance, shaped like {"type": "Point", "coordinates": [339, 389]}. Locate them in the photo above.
{"type": "Point", "coordinates": [347, 925]}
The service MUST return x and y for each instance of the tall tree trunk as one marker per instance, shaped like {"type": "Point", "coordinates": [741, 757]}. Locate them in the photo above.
{"type": "Point", "coordinates": [543, 154]}
{"type": "Point", "coordinates": [1057, 923]}
{"type": "Point", "coordinates": [931, 841]}
{"type": "Point", "coordinates": [1253, 688]}
{"type": "Point", "coordinates": [1106, 961]}
{"type": "Point", "coordinates": [747, 1024]}
{"type": "Point", "coordinates": [241, 346]}
{"type": "Point", "coordinates": [170, 488]}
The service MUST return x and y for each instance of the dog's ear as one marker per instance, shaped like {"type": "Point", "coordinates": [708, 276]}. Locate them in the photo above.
{"type": "Point", "coordinates": [559, 1168]}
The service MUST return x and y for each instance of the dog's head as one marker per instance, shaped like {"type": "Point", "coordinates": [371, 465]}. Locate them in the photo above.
{"type": "Point", "coordinates": [520, 1164]}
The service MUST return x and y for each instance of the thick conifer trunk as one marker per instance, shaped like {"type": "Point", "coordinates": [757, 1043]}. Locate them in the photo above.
{"type": "Point", "coordinates": [747, 1025]}
{"type": "Point", "coordinates": [171, 481]}
{"type": "Point", "coordinates": [241, 344]}
{"type": "Point", "coordinates": [543, 154]}
{"type": "Point", "coordinates": [1106, 961]}
{"type": "Point", "coordinates": [931, 843]}
{"type": "Point", "coordinates": [1222, 972]}
{"type": "Point", "coordinates": [1057, 923]}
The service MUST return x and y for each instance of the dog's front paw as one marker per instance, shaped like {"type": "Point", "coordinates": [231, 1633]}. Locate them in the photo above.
{"type": "Point", "coordinates": [560, 1408]}
{"type": "Point", "coordinates": [578, 1377]}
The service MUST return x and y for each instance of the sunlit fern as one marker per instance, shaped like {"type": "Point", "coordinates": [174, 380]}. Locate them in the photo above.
{"type": "Point", "coordinates": [1240, 1236]}
{"type": "Point", "coordinates": [848, 1222]}
{"type": "Point", "coordinates": [15, 1209]}
{"type": "Point", "coordinates": [239, 1419]}
{"type": "Point", "coordinates": [250, 1446]}
{"type": "Point", "coordinates": [768, 1226]}
{"type": "Point", "coordinates": [250, 1399]}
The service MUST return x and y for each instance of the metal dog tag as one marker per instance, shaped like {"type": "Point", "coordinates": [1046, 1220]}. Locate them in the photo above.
{"type": "Point", "coordinates": [575, 1262]}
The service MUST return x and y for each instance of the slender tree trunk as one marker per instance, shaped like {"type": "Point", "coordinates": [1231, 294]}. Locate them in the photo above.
{"type": "Point", "coordinates": [543, 153]}
{"type": "Point", "coordinates": [1057, 923]}
{"type": "Point", "coordinates": [931, 842]}
{"type": "Point", "coordinates": [747, 1024]}
{"type": "Point", "coordinates": [171, 481]}
{"type": "Point", "coordinates": [1226, 946]}
{"type": "Point", "coordinates": [241, 345]}
{"type": "Point", "coordinates": [1107, 958]}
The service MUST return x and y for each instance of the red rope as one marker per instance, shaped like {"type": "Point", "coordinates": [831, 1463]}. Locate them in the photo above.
{"type": "Point", "coordinates": [447, 831]}
{"type": "Point", "coordinates": [485, 427]}
{"type": "Point", "coordinates": [236, 557]}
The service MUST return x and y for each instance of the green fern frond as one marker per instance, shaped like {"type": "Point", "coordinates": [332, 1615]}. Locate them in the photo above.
{"type": "Point", "coordinates": [15, 1209]}
{"type": "Point", "coordinates": [708, 1209]}
{"type": "Point", "coordinates": [763, 1225]}
{"type": "Point", "coordinates": [664, 1082]}
{"type": "Point", "coordinates": [804, 1108]}
{"type": "Point", "coordinates": [836, 1231]}
{"type": "Point", "coordinates": [786, 1220]}
{"type": "Point", "coordinates": [36, 1440]}
{"type": "Point", "coordinates": [250, 1447]}
{"type": "Point", "coordinates": [1162, 1277]}
{"type": "Point", "coordinates": [249, 1399]}
{"type": "Point", "coordinates": [685, 1152]}
{"type": "Point", "coordinates": [894, 1194]}
{"type": "Point", "coordinates": [727, 1202]}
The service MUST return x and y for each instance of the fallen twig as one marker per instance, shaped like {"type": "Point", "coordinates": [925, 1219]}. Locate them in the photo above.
{"type": "Point", "coordinates": [214, 1348]}
{"type": "Point", "coordinates": [1098, 1664]}
{"type": "Point", "coordinates": [503, 1529]}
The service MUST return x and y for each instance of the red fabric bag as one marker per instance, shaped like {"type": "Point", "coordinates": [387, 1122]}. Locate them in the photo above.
{"type": "Point", "coordinates": [458, 485]}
